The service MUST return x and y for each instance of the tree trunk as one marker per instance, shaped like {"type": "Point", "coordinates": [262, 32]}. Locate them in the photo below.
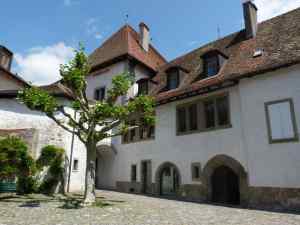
{"type": "Point", "coordinates": [89, 193]}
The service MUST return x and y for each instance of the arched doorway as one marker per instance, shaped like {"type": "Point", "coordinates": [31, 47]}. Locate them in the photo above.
{"type": "Point", "coordinates": [168, 179]}
{"type": "Point", "coordinates": [225, 186]}
{"type": "Point", "coordinates": [226, 181]}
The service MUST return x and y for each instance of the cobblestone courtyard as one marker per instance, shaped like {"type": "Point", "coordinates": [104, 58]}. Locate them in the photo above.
{"type": "Point", "coordinates": [126, 209]}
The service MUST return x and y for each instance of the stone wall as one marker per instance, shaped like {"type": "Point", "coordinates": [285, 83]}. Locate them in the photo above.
{"type": "Point", "coordinates": [30, 136]}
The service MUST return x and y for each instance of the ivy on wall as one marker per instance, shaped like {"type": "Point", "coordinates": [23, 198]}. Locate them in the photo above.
{"type": "Point", "coordinates": [17, 164]}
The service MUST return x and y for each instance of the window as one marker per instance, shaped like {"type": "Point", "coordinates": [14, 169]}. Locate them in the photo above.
{"type": "Point", "coordinates": [193, 117]}
{"type": "Point", "coordinates": [181, 114]}
{"type": "Point", "coordinates": [207, 114]}
{"type": "Point", "coordinates": [196, 171]}
{"type": "Point", "coordinates": [209, 107]}
{"type": "Point", "coordinates": [133, 173]}
{"type": "Point", "coordinates": [212, 66]}
{"type": "Point", "coordinates": [132, 132]}
{"type": "Point", "coordinates": [75, 165]}
{"type": "Point", "coordinates": [100, 94]}
{"type": "Point", "coordinates": [222, 110]}
{"type": "Point", "coordinates": [173, 79]}
{"type": "Point", "coordinates": [281, 121]}
{"type": "Point", "coordinates": [212, 63]}
{"type": "Point", "coordinates": [143, 87]}
{"type": "Point", "coordinates": [140, 133]}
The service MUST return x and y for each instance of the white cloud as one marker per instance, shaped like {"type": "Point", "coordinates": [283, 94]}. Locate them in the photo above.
{"type": "Point", "coordinates": [40, 65]}
{"type": "Point", "coordinates": [92, 28]}
{"type": "Point", "coordinates": [270, 8]}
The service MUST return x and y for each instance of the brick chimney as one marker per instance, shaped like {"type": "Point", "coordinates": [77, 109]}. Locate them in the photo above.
{"type": "Point", "coordinates": [144, 36]}
{"type": "Point", "coordinates": [5, 58]}
{"type": "Point", "coordinates": [250, 16]}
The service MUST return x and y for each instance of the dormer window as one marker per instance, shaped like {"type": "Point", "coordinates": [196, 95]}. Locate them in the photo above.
{"type": "Point", "coordinates": [212, 65]}
{"type": "Point", "coordinates": [173, 79]}
{"type": "Point", "coordinates": [143, 87]}
{"type": "Point", "coordinates": [213, 62]}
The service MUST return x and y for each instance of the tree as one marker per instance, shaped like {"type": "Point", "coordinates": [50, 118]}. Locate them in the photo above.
{"type": "Point", "coordinates": [96, 120]}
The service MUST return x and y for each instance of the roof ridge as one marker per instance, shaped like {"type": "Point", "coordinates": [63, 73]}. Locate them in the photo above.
{"type": "Point", "coordinates": [229, 35]}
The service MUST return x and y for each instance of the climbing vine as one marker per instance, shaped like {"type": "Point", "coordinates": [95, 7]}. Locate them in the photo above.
{"type": "Point", "coordinates": [51, 157]}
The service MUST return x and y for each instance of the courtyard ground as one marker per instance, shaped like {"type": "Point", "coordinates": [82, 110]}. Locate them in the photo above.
{"type": "Point", "coordinates": [114, 208]}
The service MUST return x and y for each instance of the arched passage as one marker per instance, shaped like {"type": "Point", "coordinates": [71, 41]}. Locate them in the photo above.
{"type": "Point", "coordinates": [226, 180]}
{"type": "Point", "coordinates": [225, 186]}
{"type": "Point", "coordinates": [167, 179]}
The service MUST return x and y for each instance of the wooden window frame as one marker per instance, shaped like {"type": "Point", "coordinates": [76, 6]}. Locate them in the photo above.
{"type": "Point", "coordinates": [198, 102]}
{"type": "Point", "coordinates": [293, 118]}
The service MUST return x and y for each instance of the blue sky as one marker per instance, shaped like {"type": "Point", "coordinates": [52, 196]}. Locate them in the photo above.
{"type": "Point", "coordinates": [42, 34]}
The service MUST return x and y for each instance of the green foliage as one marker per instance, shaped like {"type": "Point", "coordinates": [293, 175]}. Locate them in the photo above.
{"type": "Point", "coordinates": [15, 162]}
{"type": "Point", "coordinates": [27, 185]}
{"type": "Point", "coordinates": [111, 117]}
{"type": "Point", "coordinates": [74, 73]}
{"type": "Point", "coordinates": [37, 99]}
{"type": "Point", "coordinates": [120, 85]}
{"type": "Point", "coordinates": [52, 157]}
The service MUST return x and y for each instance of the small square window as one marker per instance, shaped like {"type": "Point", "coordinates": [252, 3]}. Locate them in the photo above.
{"type": "Point", "coordinates": [75, 165]}
{"type": "Point", "coordinates": [100, 94]}
{"type": "Point", "coordinates": [196, 171]}
{"type": "Point", "coordinates": [281, 121]}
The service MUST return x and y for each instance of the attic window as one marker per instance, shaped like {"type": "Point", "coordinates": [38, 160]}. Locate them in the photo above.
{"type": "Point", "coordinates": [173, 79]}
{"type": "Point", "coordinates": [213, 62]}
{"type": "Point", "coordinates": [143, 87]}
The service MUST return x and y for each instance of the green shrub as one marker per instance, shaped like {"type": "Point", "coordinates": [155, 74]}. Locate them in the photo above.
{"type": "Point", "coordinates": [16, 162]}
{"type": "Point", "coordinates": [52, 157]}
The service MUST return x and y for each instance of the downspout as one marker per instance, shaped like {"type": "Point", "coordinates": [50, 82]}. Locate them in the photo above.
{"type": "Point", "coordinates": [71, 155]}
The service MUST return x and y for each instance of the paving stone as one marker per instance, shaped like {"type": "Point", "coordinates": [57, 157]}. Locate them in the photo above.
{"type": "Point", "coordinates": [129, 209]}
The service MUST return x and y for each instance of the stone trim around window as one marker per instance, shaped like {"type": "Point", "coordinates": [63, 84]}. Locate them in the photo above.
{"type": "Point", "coordinates": [217, 127]}
{"type": "Point", "coordinates": [293, 117]}
{"type": "Point", "coordinates": [196, 166]}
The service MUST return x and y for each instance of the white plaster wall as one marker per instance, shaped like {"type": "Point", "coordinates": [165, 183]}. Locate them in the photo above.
{"type": "Point", "coordinates": [104, 79]}
{"type": "Point", "coordinates": [180, 150]}
{"type": "Point", "coordinates": [16, 116]}
{"type": "Point", "coordinates": [274, 165]}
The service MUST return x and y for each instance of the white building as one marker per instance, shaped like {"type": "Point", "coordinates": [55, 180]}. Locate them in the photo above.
{"type": "Point", "coordinates": [227, 116]}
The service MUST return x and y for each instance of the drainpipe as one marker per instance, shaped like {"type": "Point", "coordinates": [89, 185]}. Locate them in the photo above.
{"type": "Point", "coordinates": [71, 156]}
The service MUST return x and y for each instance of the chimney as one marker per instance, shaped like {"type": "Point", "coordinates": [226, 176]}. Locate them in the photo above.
{"type": "Point", "coordinates": [144, 36]}
{"type": "Point", "coordinates": [5, 58]}
{"type": "Point", "coordinates": [250, 16]}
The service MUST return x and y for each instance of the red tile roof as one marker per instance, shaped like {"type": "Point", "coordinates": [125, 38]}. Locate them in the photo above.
{"type": "Point", "coordinates": [125, 42]}
{"type": "Point", "coordinates": [278, 37]}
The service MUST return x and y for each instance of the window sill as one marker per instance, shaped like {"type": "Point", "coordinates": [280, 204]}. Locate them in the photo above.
{"type": "Point", "coordinates": [75, 171]}
{"type": "Point", "coordinates": [138, 141]}
{"type": "Point", "coordinates": [204, 130]}
{"type": "Point", "coordinates": [282, 141]}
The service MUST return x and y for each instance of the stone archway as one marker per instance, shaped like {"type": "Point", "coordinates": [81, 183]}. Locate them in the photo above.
{"type": "Point", "coordinates": [167, 179]}
{"type": "Point", "coordinates": [232, 170]}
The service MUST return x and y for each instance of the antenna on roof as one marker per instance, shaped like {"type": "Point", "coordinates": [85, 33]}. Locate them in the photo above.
{"type": "Point", "coordinates": [219, 32]}
{"type": "Point", "coordinates": [126, 18]}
